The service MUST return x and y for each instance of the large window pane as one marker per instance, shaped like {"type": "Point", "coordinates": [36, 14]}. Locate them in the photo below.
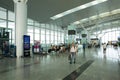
{"type": "Point", "coordinates": [2, 23]}
{"type": "Point", "coordinates": [11, 36]}
{"type": "Point", "coordinates": [31, 42]}
{"type": "Point", "coordinates": [30, 21]}
{"type": "Point", "coordinates": [42, 31]}
{"type": "Point", "coordinates": [30, 29]}
{"type": "Point", "coordinates": [56, 38]}
{"type": "Point", "coordinates": [11, 25]}
{"type": "Point", "coordinates": [62, 37]}
{"type": "Point", "coordinates": [52, 36]}
{"type": "Point", "coordinates": [52, 33]}
{"type": "Point", "coordinates": [43, 25]}
{"type": "Point", "coordinates": [47, 42]}
{"type": "Point", "coordinates": [55, 27]}
{"type": "Point", "coordinates": [47, 37]}
{"type": "Point", "coordinates": [59, 39]}
{"type": "Point", "coordinates": [13, 41]}
{"type": "Point", "coordinates": [47, 26]}
{"type": "Point", "coordinates": [55, 43]}
{"type": "Point", "coordinates": [42, 39]}
{"type": "Point", "coordinates": [37, 37]}
{"type": "Point", "coordinates": [110, 36]}
{"type": "Point", "coordinates": [52, 39]}
{"type": "Point", "coordinates": [47, 31]}
{"type": "Point", "coordinates": [31, 36]}
{"type": "Point", "coordinates": [59, 34]}
{"type": "Point", "coordinates": [11, 16]}
{"type": "Point", "coordinates": [55, 33]}
{"type": "Point", "coordinates": [52, 27]}
{"type": "Point", "coordinates": [2, 14]}
{"type": "Point", "coordinates": [3, 9]}
{"type": "Point", "coordinates": [37, 30]}
{"type": "Point", "coordinates": [37, 24]}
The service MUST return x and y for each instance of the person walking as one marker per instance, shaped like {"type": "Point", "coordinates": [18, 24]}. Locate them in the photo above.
{"type": "Point", "coordinates": [73, 50]}
{"type": "Point", "coordinates": [104, 47]}
{"type": "Point", "coordinates": [84, 47]}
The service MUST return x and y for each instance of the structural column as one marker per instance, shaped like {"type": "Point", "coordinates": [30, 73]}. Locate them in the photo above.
{"type": "Point", "coordinates": [84, 37]}
{"type": "Point", "coordinates": [20, 8]}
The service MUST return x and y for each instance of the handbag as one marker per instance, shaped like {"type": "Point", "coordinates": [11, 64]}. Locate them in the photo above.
{"type": "Point", "coordinates": [69, 57]}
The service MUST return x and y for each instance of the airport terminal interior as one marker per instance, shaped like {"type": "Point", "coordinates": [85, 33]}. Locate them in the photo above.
{"type": "Point", "coordinates": [59, 39]}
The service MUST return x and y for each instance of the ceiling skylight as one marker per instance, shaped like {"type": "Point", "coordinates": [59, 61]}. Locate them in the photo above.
{"type": "Point", "coordinates": [77, 22]}
{"type": "Point", "coordinates": [105, 14]}
{"type": "Point", "coordinates": [77, 9]}
{"type": "Point", "coordinates": [115, 11]}
{"type": "Point", "coordinates": [93, 17]}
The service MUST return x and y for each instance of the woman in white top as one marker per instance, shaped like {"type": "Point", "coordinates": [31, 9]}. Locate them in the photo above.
{"type": "Point", "coordinates": [73, 53]}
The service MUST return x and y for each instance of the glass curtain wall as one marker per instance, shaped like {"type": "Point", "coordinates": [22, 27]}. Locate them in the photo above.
{"type": "Point", "coordinates": [111, 36]}
{"type": "Point", "coordinates": [7, 20]}
{"type": "Point", "coordinates": [45, 33]}
{"type": "Point", "coordinates": [110, 32]}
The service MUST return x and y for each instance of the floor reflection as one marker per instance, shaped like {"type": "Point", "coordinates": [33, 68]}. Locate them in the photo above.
{"type": "Point", "coordinates": [111, 54]}
{"type": "Point", "coordinates": [84, 55]}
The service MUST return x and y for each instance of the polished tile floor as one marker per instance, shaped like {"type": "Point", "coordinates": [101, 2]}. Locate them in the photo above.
{"type": "Point", "coordinates": [90, 65]}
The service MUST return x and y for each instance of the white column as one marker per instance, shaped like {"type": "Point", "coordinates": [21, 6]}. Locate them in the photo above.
{"type": "Point", "coordinates": [88, 36]}
{"type": "Point", "coordinates": [21, 24]}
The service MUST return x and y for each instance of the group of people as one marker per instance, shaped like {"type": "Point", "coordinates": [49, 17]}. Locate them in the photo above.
{"type": "Point", "coordinates": [57, 48]}
{"type": "Point", "coordinates": [72, 49]}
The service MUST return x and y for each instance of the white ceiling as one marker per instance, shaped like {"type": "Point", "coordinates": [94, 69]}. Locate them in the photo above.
{"type": "Point", "coordinates": [42, 10]}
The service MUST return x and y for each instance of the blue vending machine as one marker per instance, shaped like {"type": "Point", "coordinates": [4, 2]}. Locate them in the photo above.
{"type": "Point", "coordinates": [26, 45]}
